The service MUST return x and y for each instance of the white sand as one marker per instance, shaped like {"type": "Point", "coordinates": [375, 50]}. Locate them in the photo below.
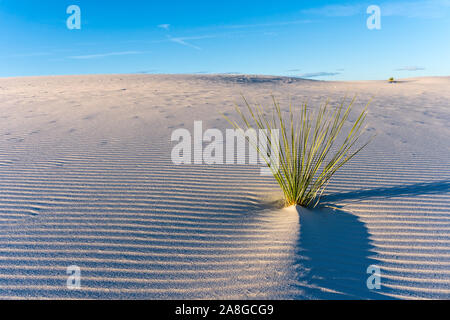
{"type": "Point", "coordinates": [86, 179]}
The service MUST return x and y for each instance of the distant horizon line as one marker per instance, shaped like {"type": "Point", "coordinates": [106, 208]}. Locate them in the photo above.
{"type": "Point", "coordinates": [299, 77]}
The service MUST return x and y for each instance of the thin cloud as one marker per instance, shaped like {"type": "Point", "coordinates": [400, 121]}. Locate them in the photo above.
{"type": "Point", "coordinates": [410, 68]}
{"type": "Point", "coordinates": [335, 10]}
{"type": "Point", "coordinates": [409, 9]}
{"type": "Point", "coordinates": [416, 9]}
{"type": "Point", "coordinates": [164, 26]}
{"type": "Point", "coordinates": [183, 40]}
{"type": "Point", "coordinates": [102, 55]}
{"type": "Point", "coordinates": [184, 43]}
{"type": "Point", "coordinates": [270, 24]}
{"type": "Point", "coordinates": [318, 74]}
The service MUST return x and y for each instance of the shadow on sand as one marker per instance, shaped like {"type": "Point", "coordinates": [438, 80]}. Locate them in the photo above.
{"type": "Point", "coordinates": [334, 248]}
{"type": "Point", "coordinates": [437, 187]}
{"type": "Point", "coordinates": [333, 255]}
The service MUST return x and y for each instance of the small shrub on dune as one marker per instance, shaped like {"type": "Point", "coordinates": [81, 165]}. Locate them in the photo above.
{"type": "Point", "coordinates": [309, 151]}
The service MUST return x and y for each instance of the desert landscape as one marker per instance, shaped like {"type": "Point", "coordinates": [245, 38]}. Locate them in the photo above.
{"type": "Point", "coordinates": [86, 179]}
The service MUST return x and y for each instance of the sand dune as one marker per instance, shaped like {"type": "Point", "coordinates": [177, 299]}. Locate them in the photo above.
{"type": "Point", "coordinates": [86, 179]}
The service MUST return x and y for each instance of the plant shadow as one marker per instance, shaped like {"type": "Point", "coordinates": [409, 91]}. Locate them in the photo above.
{"type": "Point", "coordinates": [422, 188]}
{"type": "Point", "coordinates": [333, 255]}
{"type": "Point", "coordinates": [334, 248]}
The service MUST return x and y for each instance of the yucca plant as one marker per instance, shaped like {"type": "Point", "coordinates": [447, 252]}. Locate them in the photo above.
{"type": "Point", "coordinates": [309, 151]}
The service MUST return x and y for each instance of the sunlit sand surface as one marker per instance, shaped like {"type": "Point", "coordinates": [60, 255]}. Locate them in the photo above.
{"type": "Point", "coordinates": [86, 179]}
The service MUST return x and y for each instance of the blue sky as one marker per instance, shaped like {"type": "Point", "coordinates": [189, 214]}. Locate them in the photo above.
{"type": "Point", "coordinates": [327, 40]}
